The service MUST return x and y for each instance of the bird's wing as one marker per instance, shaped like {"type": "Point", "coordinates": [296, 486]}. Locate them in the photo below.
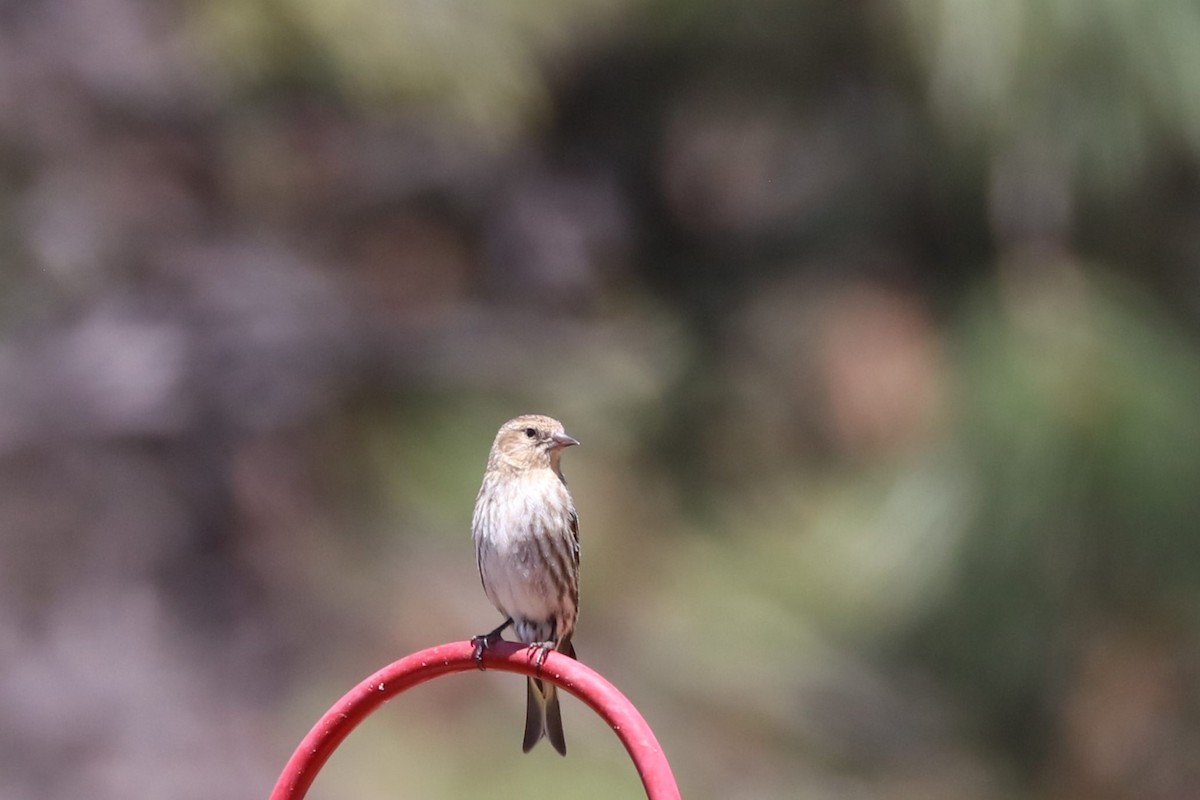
{"type": "Point", "coordinates": [573, 524]}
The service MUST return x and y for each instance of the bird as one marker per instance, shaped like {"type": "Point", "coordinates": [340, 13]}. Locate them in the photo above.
{"type": "Point", "coordinates": [526, 534]}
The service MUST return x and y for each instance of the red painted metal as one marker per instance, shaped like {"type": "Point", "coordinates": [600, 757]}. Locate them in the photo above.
{"type": "Point", "coordinates": [410, 671]}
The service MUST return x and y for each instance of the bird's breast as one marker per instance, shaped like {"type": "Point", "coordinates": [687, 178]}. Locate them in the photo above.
{"type": "Point", "coordinates": [521, 508]}
{"type": "Point", "coordinates": [524, 544]}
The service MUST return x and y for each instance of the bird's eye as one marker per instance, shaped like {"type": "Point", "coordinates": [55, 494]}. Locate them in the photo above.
{"type": "Point", "coordinates": [531, 432]}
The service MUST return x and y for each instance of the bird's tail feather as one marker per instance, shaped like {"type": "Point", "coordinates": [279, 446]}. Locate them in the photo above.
{"type": "Point", "coordinates": [542, 716]}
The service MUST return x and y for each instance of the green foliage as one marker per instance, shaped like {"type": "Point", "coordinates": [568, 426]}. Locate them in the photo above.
{"type": "Point", "coordinates": [478, 64]}
{"type": "Point", "coordinates": [1102, 86]}
{"type": "Point", "coordinates": [1080, 432]}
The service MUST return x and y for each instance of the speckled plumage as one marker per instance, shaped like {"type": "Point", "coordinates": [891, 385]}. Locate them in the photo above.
{"type": "Point", "coordinates": [526, 536]}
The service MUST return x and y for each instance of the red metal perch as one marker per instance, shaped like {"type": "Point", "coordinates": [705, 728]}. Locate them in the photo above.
{"type": "Point", "coordinates": [567, 673]}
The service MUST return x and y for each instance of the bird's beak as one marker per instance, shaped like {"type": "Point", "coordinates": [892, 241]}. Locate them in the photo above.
{"type": "Point", "coordinates": [563, 440]}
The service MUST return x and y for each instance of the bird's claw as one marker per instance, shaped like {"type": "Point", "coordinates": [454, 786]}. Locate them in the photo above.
{"type": "Point", "coordinates": [481, 643]}
{"type": "Point", "coordinates": [485, 640]}
{"type": "Point", "coordinates": [543, 649]}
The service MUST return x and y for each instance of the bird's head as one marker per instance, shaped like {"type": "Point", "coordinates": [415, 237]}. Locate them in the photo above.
{"type": "Point", "coordinates": [531, 441]}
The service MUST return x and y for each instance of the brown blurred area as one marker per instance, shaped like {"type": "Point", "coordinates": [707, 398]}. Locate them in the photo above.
{"type": "Point", "coordinates": [878, 323]}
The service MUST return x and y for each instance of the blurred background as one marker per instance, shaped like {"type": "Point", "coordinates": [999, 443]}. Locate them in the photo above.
{"type": "Point", "coordinates": [879, 322]}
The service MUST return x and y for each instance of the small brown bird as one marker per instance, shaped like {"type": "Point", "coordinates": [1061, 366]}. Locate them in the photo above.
{"type": "Point", "coordinates": [526, 537]}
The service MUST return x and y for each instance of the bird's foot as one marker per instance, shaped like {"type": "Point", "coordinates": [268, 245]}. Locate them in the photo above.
{"type": "Point", "coordinates": [485, 640]}
{"type": "Point", "coordinates": [543, 649]}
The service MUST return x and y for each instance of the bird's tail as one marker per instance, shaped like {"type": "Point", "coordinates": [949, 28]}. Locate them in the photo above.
{"type": "Point", "coordinates": [542, 714]}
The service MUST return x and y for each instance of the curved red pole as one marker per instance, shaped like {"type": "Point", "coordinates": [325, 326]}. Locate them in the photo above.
{"type": "Point", "coordinates": [574, 677]}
